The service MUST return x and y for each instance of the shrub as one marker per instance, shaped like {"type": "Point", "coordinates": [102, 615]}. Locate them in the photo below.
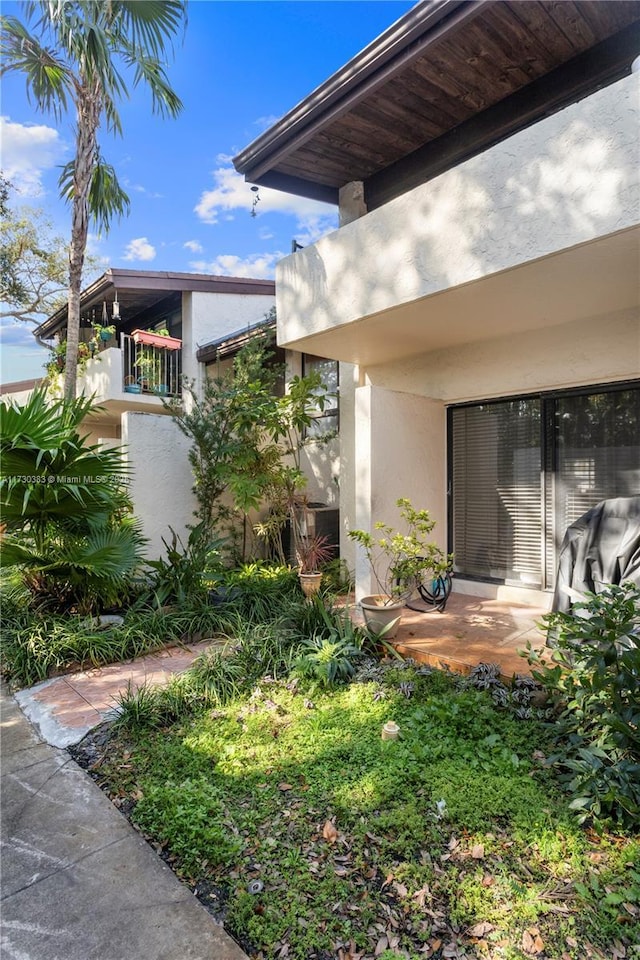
{"type": "Point", "coordinates": [594, 684]}
{"type": "Point", "coordinates": [181, 577]}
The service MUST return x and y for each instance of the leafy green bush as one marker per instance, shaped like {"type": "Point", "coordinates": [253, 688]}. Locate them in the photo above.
{"type": "Point", "coordinates": [594, 684]}
{"type": "Point", "coordinates": [258, 589]}
{"type": "Point", "coordinates": [69, 528]}
{"type": "Point", "coordinates": [331, 654]}
{"type": "Point", "coordinates": [181, 577]}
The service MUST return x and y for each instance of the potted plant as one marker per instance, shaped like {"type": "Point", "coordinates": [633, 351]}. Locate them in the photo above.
{"type": "Point", "coordinates": [58, 359]}
{"type": "Point", "coordinates": [156, 338]}
{"type": "Point", "coordinates": [150, 366]}
{"type": "Point", "coordinates": [103, 332]}
{"type": "Point", "coordinates": [311, 554]}
{"type": "Point", "coordinates": [399, 563]}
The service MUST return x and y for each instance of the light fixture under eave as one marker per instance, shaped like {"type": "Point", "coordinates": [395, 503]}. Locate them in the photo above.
{"type": "Point", "coordinates": [116, 308]}
{"type": "Point", "coordinates": [256, 200]}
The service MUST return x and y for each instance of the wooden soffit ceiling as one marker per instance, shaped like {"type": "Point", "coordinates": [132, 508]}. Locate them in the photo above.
{"type": "Point", "coordinates": [446, 81]}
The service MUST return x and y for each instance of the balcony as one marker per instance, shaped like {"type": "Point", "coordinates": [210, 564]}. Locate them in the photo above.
{"type": "Point", "coordinates": [133, 376]}
{"type": "Point", "coordinates": [150, 367]}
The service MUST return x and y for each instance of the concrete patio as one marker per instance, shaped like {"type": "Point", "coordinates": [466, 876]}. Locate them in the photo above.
{"type": "Point", "coordinates": [471, 630]}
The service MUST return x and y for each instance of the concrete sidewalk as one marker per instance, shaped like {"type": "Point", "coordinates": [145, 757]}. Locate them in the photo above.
{"type": "Point", "coordinates": [78, 882]}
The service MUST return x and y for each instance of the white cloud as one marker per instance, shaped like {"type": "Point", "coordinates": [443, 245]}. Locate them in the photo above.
{"type": "Point", "coordinates": [263, 123]}
{"type": "Point", "coordinates": [28, 151]}
{"type": "Point", "coordinates": [232, 193]}
{"type": "Point", "coordinates": [194, 246]}
{"type": "Point", "coordinates": [140, 249]}
{"type": "Point", "coordinates": [260, 266]}
{"type": "Point", "coordinates": [16, 334]}
{"type": "Point", "coordinates": [138, 188]}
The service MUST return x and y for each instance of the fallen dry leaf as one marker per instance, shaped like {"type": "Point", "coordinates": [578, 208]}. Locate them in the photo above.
{"type": "Point", "coordinates": [532, 941]}
{"type": "Point", "coordinates": [421, 895]}
{"type": "Point", "coordinates": [400, 889]}
{"type": "Point", "coordinates": [329, 832]}
{"type": "Point", "coordinates": [381, 946]}
{"type": "Point", "coordinates": [284, 787]}
{"type": "Point", "coordinates": [481, 929]}
{"type": "Point", "coordinates": [477, 851]}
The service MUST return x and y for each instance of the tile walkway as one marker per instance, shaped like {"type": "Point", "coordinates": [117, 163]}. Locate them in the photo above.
{"type": "Point", "coordinates": [65, 708]}
{"type": "Point", "coordinates": [471, 630]}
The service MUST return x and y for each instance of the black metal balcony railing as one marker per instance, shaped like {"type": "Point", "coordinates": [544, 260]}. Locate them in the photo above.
{"type": "Point", "coordinates": [151, 370]}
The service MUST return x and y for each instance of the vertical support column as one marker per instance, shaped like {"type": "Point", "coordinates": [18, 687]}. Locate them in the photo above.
{"type": "Point", "coordinates": [400, 451]}
{"type": "Point", "coordinates": [351, 201]}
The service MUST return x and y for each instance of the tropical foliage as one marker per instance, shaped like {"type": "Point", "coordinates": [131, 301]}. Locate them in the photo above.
{"type": "Point", "coordinates": [68, 523]}
{"type": "Point", "coordinates": [84, 56]}
{"type": "Point", "coordinates": [594, 684]}
{"type": "Point", "coordinates": [246, 445]}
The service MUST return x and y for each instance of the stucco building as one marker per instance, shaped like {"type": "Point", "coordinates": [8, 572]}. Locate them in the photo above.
{"type": "Point", "coordinates": [481, 294]}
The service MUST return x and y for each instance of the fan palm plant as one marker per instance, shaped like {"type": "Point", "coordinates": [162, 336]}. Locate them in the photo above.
{"type": "Point", "coordinates": [77, 58]}
{"type": "Point", "coordinates": [68, 523]}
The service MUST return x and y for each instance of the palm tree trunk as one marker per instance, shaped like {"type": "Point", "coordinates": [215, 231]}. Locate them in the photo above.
{"type": "Point", "coordinates": [89, 107]}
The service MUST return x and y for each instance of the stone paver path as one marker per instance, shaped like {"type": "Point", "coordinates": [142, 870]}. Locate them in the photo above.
{"type": "Point", "coordinates": [65, 708]}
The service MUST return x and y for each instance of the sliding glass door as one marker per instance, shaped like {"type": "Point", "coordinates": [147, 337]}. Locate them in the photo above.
{"type": "Point", "coordinates": [523, 469]}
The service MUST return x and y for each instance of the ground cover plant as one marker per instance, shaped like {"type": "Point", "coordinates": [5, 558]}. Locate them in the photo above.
{"type": "Point", "coordinates": [36, 643]}
{"type": "Point", "coordinates": [312, 837]}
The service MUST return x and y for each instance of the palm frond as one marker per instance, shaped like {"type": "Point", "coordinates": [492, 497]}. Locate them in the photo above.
{"type": "Point", "coordinates": [151, 24]}
{"type": "Point", "coordinates": [48, 77]}
{"type": "Point", "coordinates": [106, 198]}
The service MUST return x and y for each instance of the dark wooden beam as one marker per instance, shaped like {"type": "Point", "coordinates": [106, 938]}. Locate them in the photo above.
{"type": "Point", "coordinates": [583, 75]}
{"type": "Point", "coordinates": [297, 186]}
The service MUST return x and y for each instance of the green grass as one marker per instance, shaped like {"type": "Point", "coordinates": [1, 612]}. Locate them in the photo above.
{"type": "Point", "coordinates": [349, 836]}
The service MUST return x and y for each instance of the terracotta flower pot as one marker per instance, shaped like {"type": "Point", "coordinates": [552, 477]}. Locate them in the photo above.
{"type": "Point", "coordinates": [156, 340]}
{"type": "Point", "coordinates": [310, 583]}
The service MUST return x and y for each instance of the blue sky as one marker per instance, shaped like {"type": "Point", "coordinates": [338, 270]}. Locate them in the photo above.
{"type": "Point", "coordinates": [242, 65]}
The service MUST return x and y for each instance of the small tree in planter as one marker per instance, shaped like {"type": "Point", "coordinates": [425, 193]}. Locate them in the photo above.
{"type": "Point", "coordinates": [399, 563]}
{"type": "Point", "coordinates": [311, 554]}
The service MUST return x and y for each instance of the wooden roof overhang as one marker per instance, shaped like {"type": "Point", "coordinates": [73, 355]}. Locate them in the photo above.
{"type": "Point", "coordinates": [231, 343]}
{"type": "Point", "coordinates": [146, 292]}
{"type": "Point", "coordinates": [445, 82]}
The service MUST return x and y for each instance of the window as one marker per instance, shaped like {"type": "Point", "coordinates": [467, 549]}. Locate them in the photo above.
{"type": "Point", "coordinates": [324, 421]}
{"type": "Point", "coordinates": [522, 470]}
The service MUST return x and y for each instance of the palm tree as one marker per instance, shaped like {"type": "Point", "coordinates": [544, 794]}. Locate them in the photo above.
{"type": "Point", "coordinates": [67, 521]}
{"type": "Point", "coordinates": [77, 58]}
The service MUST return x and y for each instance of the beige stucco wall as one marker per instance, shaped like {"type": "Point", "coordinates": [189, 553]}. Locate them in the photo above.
{"type": "Point", "coordinates": [161, 479]}
{"type": "Point", "coordinates": [400, 444]}
{"type": "Point", "coordinates": [598, 350]}
{"type": "Point", "coordinates": [565, 181]}
{"type": "Point", "coordinates": [207, 317]}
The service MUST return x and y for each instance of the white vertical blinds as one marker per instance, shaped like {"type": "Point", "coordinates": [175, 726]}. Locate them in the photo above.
{"type": "Point", "coordinates": [523, 470]}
